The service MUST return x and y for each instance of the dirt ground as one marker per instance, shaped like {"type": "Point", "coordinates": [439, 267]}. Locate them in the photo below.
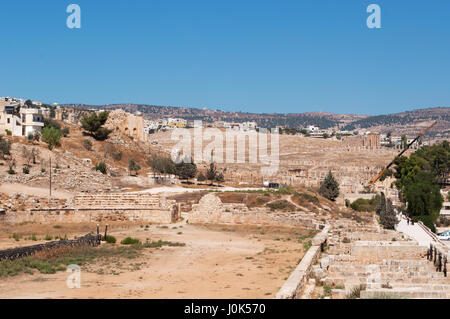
{"type": "Point", "coordinates": [216, 262]}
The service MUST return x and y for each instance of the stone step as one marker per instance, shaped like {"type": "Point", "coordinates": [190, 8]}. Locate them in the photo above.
{"type": "Point", "coordinates": [408, 293]}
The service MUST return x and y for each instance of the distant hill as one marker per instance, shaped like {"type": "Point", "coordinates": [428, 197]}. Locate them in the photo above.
{"type": "Point", "coordinates": [405, 123]}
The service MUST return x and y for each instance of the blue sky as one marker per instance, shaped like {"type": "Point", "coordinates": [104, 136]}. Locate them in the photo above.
{"type": "Point", "coordinates": [252, 56]}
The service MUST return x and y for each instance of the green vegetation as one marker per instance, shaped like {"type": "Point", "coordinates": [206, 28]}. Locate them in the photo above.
{"type": "Point", "coordinates": [329, 187]}
{"type": "Point", "coordinates": [130, 241]}
{"type": "Point", "coordinates": [386, 212]}
{"type": "Point", "coordinates": [101, 167]}
{"type": "Point", "coordinates": [65, 131]}
{"type": "Point", "coordinates": [5, 147]}
{"type": "Point", "coordinates": [300, 198]}
{"type": "Point", "coordinates": [418, 179]}
{"type": "Point", "coordinates": [356, 292]}
{"type": "Point", "coordinates": [93, 124]}
{"type": "Point", "coordinates": [87, 144]}
{"type": "Point", "coordinates": [201, 177]}
{"type": "Point", "coordinates": [51, 136]}
{"type": "Point", "coordinates": [282, 205]}
{"type": "Point", "coordinates": [58, 259]}
{"type": "Point", "coordinates": [366, 205]}
{"type": "Point", "coordinates": [133, 166]}
{"type": "Point", "coordinates": [160, 243]}
{"type": "Point", "coordinates": [26, 170]}
{"type": "Point", "coordinates": [109, 239]}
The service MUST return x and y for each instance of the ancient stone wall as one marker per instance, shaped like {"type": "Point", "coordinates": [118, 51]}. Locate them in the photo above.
{"type": "Point", "coordinates": [211, 210]}
{"type": "Point", "coordinates": [294, 285]}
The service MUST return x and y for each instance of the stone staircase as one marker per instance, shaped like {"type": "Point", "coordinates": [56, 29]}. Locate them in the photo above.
{"type": "Point", "coordinates": [377, 263]}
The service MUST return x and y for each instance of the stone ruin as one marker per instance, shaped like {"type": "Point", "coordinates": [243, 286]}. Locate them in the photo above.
{"type": "Point", "coordinates": [104, 207]}
{"type": "Point", "coordinates": [211, 210]}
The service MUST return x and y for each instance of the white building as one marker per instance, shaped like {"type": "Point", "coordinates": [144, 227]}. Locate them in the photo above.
{"type": "Point", "coordinates": [19, 120]}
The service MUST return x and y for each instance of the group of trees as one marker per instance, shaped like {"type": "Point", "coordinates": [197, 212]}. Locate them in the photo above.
{"type": "Point", "coordinates": [52, 133]}
{"type": "Point", "coordinates": [418, 178]}
{"type": "Point", "coordinates": [93, 124]}
{"type": "Point", "coordinates": [183, 168]}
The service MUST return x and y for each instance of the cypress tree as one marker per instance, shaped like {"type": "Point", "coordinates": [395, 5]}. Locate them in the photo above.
{"type": "Point", "coordinates": [329, 187]}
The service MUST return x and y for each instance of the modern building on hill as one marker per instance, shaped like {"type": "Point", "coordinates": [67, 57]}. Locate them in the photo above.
{"type": "Point", "coordinates": [18, 120]}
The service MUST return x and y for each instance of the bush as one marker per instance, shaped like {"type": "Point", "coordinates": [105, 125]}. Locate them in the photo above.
{"type": "Point", "coordinates": [201, 177]}
{"type": "Point", "coordinates": [109, 239]}
{"type": "Point", "coordinates": [8, 132]}
{"type": "Point", "coordinates": [365, 205]}
{"type": "Point", "coordinates": [26, 170]}
{"type": "Point", "coordinates": [117, 156]}
{"type": "Point", "coordinates": [52, 123]}
{"type": "Point", "coordinates": [130, 241]}
{"type": "Point", "coordinates": [133, 166]}
{"type": "Point", "coordinates": [87, 144]}
{"type": "Point", "coordinates": [65, 131]}
{"type": "Point", "coordinates": [42, 170]}
{"type": "Point", "coordinates": [51, 136]}
{"type": "Point", "coordinates": [30, 136]}
{"type": "Point", "coordinates": [101, 167]}
{"type": "Point", "coordinates": [5, 147]}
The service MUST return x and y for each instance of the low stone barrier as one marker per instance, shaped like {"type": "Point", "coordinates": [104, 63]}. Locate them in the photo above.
{"type": "Point", "coordinates": [15, 253]}
{"type": "Point", "coordinates": [373, 252]}
{"type": "Point", "coordinates": [294, 285]}
{"type": "Point", "coordinates": [98, 215]}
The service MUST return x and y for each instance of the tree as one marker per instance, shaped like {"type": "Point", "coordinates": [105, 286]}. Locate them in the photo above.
{"type": "Point", "coordinates": [220, 178]}
{"type": "Point", "coordinates": [404, 141]}
{"type": "Point", "coordinates": [201, 177]}
{"type": "Point", "coordinates": [388, 218]}
{"type": "Point", "coordinates": [5, 147]}
{"type": "Point", "coordinates": [133, 166]}
{"type": "Point", "coordinates": [29, 103]}
{"type": "Point", "coordinates": [93, 124]}
{"type": "Point", "coordinates": [161, 164]}
{"type": "Point", "coordinates": [186, 169]}
{"type": "Point", "coordinates": [329, 187]}
{"type": "Point", "coordinates": [51, 136]}
{"type": "Point", "coordinates": [211, 173]}
{"type": "Point", "coordinates": [417, 179]}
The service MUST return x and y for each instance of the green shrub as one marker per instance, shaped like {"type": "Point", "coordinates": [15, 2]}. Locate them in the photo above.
{"type": "Point", "coordinates": [65, 131]}
{"type": "Point", "coordinates": [101, 167]}
{"type": "Point", "coordinates": [48, 237]}
{"type": "Point", "coordinates": [87, 144]}
{"type": "Point", "coordinates": [109, 239]}
{"type": "Point", "coordinates": [42, 170]}
{"type": "Point", "coordinates": [130, 241]}
{"type": "Point", "coordinates": [51, 136]}
{"type": "Point", "coordinates": [8, 132]}
{"type": "Point", "coordinates": [26, 170]}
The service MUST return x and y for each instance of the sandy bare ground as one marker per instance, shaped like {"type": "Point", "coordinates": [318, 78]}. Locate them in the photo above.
{"type": "Point", "coordinates": [33, 191]}
{"type": "Point", "coordinates": [217, 262]}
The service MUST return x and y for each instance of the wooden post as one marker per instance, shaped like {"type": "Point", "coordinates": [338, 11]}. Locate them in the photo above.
{"type": "Point", "coordinates": [50, 177]}
{"type": "Point", "coordinates": [106, 230]}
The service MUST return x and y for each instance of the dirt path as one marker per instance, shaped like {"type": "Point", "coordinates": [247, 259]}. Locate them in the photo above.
{"type": "Point", "coordinates": [217, 262]}
{"type": "Point", "coordinates": [33, 191]}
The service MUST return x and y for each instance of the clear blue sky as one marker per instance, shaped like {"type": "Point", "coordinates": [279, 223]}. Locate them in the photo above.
{"type": "Point", "coordinates": [247, 55]}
